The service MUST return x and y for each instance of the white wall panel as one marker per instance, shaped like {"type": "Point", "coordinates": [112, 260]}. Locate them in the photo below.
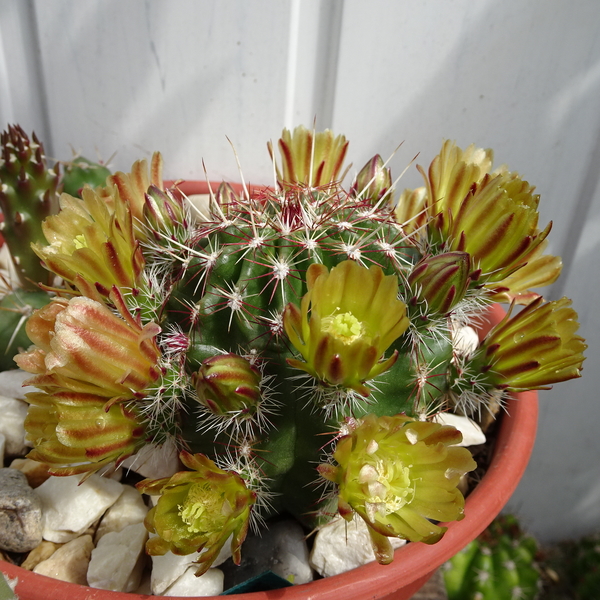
{"type": "Point", "coordinates": [180, 75]}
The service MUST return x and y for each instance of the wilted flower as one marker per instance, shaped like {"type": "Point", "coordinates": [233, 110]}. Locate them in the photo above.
{"type": "Point", "coordinates": [86, 359]}
{"type": "Point", "coordinates": [533, 349]}
{"type": "Point", "coordinates": [198, 510]}
{"type": "Point", "coordinates": [397, 474]}
{"type": "Point", "coordinates": [312, 159]}
{"type": "Point", "coordinates": [347, 320]}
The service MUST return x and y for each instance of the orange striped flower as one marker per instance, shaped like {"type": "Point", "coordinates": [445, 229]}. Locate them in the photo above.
{"type": "Point", "coordinates": [89, 364]}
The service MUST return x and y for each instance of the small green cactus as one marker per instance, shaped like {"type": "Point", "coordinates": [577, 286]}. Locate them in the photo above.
{"type": "Point", "coordinates": [499, 565]}
{"type": "Point", "coordinates": [28, 194]}
{"type": "Point", "coordinates": [294, 344]}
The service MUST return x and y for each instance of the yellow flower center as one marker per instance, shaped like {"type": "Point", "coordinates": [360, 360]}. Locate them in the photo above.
{"type": "Point", "coordinates": [387, 487]}
{"type": "Point", "coordinates": [345, 326]}
{"type": "Point", "coordinates": [204, 510]}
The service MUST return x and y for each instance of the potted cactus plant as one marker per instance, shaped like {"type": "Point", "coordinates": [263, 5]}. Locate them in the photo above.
{"type": "Point", "coordinates": [297, 343]}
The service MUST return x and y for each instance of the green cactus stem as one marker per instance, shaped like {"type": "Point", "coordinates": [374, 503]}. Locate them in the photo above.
{"type": "Point", "coordinates": [80, 172]}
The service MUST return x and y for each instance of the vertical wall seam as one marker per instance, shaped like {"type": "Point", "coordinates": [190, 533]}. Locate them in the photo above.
{"type": "Point", "coordinates": [326, 77]}
{"type": "Point", "coordinates": [292, 64]}
{"type": "Point", "coordinates": [7, 114]}
{"type": "Point", "coordinates": [40, 78]}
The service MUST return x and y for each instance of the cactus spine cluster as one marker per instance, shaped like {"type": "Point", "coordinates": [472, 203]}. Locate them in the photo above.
{"type": "Point", "coordinates": [294, 325]}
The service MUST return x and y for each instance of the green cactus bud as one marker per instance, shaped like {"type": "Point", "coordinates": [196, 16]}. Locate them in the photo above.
{"type": "Point", "coordinates": [164, 214]}
{"type": "Point", "coordinates": [228, 384]}
{"type": "Point", "coordinates": [373, 182]}
{"type": "Point", "coordinates": [533, 349]}
{"type": "Point", "coordinates": [80, 172]}
{"type": "Point", "coordinates": [198, 510]}
{"type": "Point", "coordinates": [355, 316]}
{"type": "Point", "coordinates": [440, 282]}
{"type": "Point", "coordinates": [28, 194]}
{"type": "Point", "coordinates": [226, 197]}
{"type": "Point", "coordinates": [397, 473]}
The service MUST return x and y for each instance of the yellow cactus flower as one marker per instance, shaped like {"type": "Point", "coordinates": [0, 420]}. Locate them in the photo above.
{"type": "Point", "coordinates": [533, 349]}
{"type": "Point", "coordinates": [347, 320]}
{"type": "Point", "coordinates": [310, 159]}
{"type": "Point", "coordinates": [198, 510]}
{"type": "Point", "coordinates": [398, 475]}
{"type": "Point", "coordinates": [90, 246]}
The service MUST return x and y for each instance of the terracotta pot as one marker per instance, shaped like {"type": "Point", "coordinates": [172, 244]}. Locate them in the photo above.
{"type": "Point", "coordinates": [413, 564]}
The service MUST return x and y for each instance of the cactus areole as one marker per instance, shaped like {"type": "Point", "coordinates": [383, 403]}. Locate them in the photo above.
{"type": "Point", "coordinates": [295, 342]}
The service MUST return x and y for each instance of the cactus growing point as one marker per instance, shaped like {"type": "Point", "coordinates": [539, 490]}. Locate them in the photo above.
{"type": "Point", "coordinates": [297, 326]}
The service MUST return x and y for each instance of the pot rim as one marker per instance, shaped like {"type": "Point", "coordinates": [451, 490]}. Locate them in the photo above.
{"type": "Point", "coordinates": [413, 563]}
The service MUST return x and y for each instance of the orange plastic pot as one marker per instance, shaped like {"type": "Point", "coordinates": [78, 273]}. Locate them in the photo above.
{"type": "Point", "coordinates": [413, 564]}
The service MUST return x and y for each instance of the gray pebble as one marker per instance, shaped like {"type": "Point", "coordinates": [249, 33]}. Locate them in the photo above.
{"type": "Point", "coordinates": [20, 513]}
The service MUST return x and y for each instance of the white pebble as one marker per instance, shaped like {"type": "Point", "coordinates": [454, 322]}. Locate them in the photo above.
{"type": "Point", "coordinates": [465, 340]}
{"type": "Point", "coordinates": [11, 383]}
{"type": "Point", "coordinates": [127, 510]}
{"type": "Point", "coordinates": [168, 568]}
{"type": "Point", "coordinates": [341, 546]}
{"type": "Point", "coordinates": [69, 562]}
{"type": "Point", "coordinates": [188, 585]}
{"type": "Point", "coordinates": [69, 508]}
{"type": "Point", "coordinates": [115, 564]}
{"type": "Point", "coordinates": [12, 425]}
{"type": "Point", "coordinates": [155, 462]}
{"type": "Point", "coordinates": [471, 432]}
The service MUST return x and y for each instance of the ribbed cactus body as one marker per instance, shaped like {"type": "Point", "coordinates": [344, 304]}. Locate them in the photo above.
{"type": "Point", "coordinates": [499, 565]}
{"type": "Point", "coordinates": [249, 262]}
{"type": "Point", "coordinates": [28, 194]}
{"type": "Point", "coordinates": [82, 171]}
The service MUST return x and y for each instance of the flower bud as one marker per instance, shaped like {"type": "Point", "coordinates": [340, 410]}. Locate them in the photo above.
{"type": "Point", "coordinates": [373, 181]}
{"type": "Point", "coordinates": [228, 383]}
{"type": "Point", "coordinates": [163, 213]}
{"type": "Point", "coordinates": [441, 281]}
{"type": "Point", "coordinates": [533, 349]}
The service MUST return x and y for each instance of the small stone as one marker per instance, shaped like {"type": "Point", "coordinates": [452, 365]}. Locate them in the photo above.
{"type": "Point", "coordinates": [471, 432]}
{"type": "Point", "coordinates": [12, 425]}
{"type": "Point", "coordinates": [115, 564]}
{"type": "Point", "coordinates": [42, 552]}
{"type": "Point", "coordinates": [20, 513]}
{"type": "Point", "coordinates": [341, 545]}
{"type": "Point", "coordinates": [36, 472]}
{"type": "Point", "coordinates": [188, 585]}
{"type": "Point", "coordinates": [464, 340]}
{"type": "Point", "coordinates": [69, 507]}
{"type": "Point", "coordinates": [281, 549]}
{"type": "Point", "coordinates": [11, 383]}
{"type": "Point", "coordinates": [70, 562]}
{"type": "Point", "coordinates": [127, 510]}
{"type": "Point", "coordinates": [168, 568]}
{"type": "Point", "coordinates": [155, 462]}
